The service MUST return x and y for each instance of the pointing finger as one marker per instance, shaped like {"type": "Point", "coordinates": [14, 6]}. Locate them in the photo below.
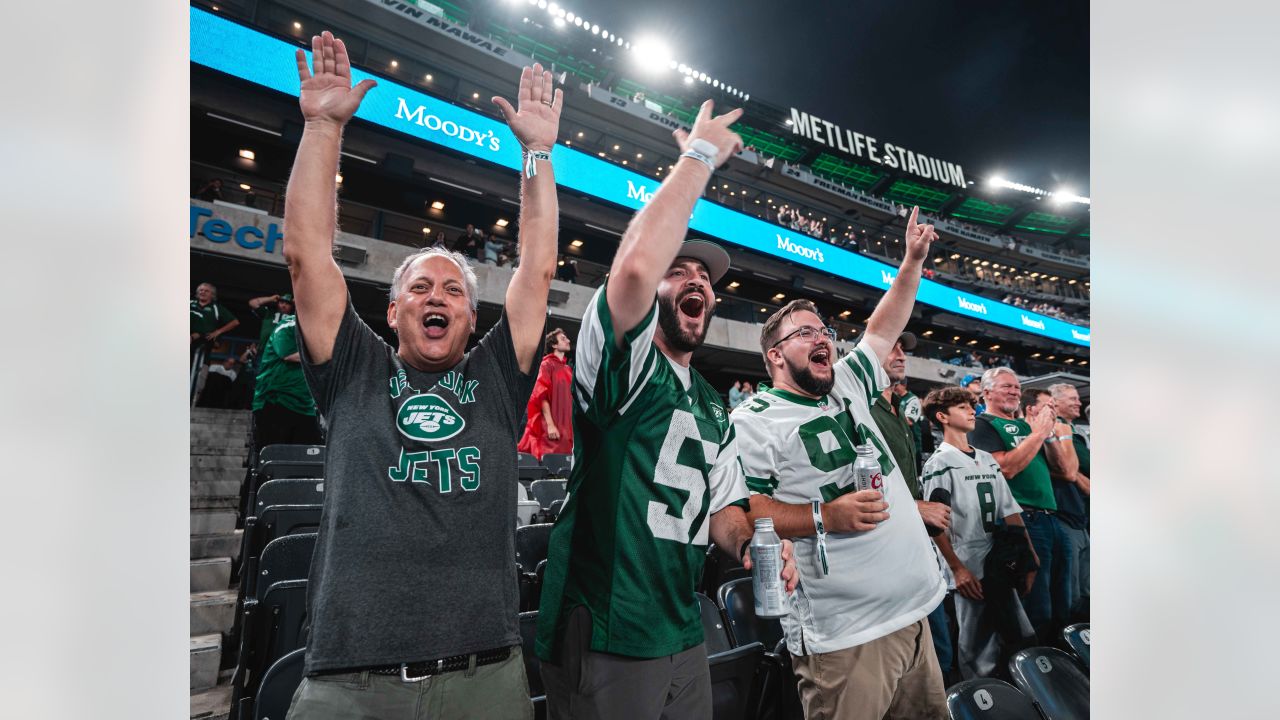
{"type": "Point", "coordinates": [731, 117]}
{"type": "Point", "coordinates": [911, 221]}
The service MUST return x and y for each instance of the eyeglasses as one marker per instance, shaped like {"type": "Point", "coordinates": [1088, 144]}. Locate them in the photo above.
{"type": "Point", "coordinates": [807, 334]}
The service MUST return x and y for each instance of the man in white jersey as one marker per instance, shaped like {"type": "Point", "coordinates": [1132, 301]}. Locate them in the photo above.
{"type": "Point", "coordinates": [856, 627]}
{"type": "Point", "coordinates": [979, 494]}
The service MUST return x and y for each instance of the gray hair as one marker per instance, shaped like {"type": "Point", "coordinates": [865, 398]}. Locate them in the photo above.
{"type": "Point", "coordinates": [1060, 389]}
{"type": "Point", "coordinates": [213, 289]}
{"type": "Point", "coordinates": [468, 273]}
{"type": "Point", "coordinates": [989, 377]}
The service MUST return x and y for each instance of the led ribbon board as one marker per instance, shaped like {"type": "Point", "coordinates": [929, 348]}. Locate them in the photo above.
{"type": "Point", "coordinates": [245, 53]}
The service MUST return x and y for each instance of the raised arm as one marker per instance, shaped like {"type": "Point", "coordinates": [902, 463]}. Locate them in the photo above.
{"type": "Point", "coordinates": [894, 309]}
{"type": "Point", "coordinates": [535, 125]}
{"type": "Point", "coordinates": [255, 303]}
{"type": "Point", "coordinates": [328, 101]}
{"type": "Point", "coordinates": [656, 232]}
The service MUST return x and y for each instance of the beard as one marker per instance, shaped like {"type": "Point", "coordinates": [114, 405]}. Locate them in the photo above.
{"type": "Point", "coordinates": [810, 383]}
{"type": "Point", "coordinates": [669, 324]}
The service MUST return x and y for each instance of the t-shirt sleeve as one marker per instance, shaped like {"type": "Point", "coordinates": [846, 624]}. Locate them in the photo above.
{"type": "Point", "coordinates": [911, 409]}
{"type": "Point", "coordinates": [936, 474]}
{"type": "Point", "coordinates": [759, 464]}
{"type": "Point", "coordinates": [859, 377]}
{"type": "Point", "coordinates": [356, 346]}
{"type": "Point", "coordinates": [728, 484]}
{"type": "Point", "coordinates": [985, 437]}
{"type": "Point", "coordinates": [498, 345]}
{"type": "Point", "coordinates": [610, 374]}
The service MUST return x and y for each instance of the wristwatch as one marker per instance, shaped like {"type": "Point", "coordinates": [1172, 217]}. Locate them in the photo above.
{"type": "Point", "coordinates": [703, 151]}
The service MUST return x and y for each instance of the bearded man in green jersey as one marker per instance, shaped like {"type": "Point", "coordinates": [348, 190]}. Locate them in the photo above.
{"type": "Point", "coordinates": [655, 472]}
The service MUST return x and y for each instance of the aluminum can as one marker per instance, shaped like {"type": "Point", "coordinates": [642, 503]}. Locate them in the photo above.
{"type": "Point", "coordinates": [866, 471]}
{"type": "Point", "coordinates": [766, 571]}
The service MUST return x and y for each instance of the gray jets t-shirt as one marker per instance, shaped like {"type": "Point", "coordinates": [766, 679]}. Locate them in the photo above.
{"type": "Point", "coordinates": [416, 554]}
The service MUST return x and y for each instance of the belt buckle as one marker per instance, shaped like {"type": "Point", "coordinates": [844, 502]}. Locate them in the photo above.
{"type": "Point", "coordinates": [404, 672]}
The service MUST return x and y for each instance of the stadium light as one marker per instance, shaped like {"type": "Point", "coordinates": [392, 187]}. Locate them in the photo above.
{"type": "Point", "coordinates": [558, 22]}
{"type": "Point", "coordinates": [243, 186]}
{"type": "Point", "coordinates": [247, 154]}
{"type": "Point", "coordinates": [688, 80]}
{"type": "Point", "coordinates": [577, 21]}
{"type": "Point", "coordinates": [502, 222]}
{"type": "Point", "coordinates": [437, 205]}
{"type": "Point", "coordinates": [429, 78]}
{"type": "Point", "coordinates": [297, 25]}
{"type": "Point", "coordinates": [576, 243]}
{"type": "Point", "coordinates": [653, 55]}
{"type": "Point", "coordinates": [780, 296]}
{"type": "Point", "coordinates": [570, 17]}
{"type": "Point", "coordinates": [734, 285]}
{"type": "Point", "coordinates": [542, 4]}
{"type": "Point", "coordinates": [595, 29]}
{"type": "Point", "coordinates": [426, 230]}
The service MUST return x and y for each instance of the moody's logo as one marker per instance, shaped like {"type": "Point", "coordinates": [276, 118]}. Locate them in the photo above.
{"type": "Point", "coordinates": [786, 244]}
{"type": "Point", "coordinates": [448, 127]}
{"type": "Point", "coordinates": [980, 308]}
{"type": "Point", "coordinates": [1077, 335]}
{"type": "Point", "coordinates": [640, 193]}
{"type": "Point", "coordinates": [428, 417]}
{"type": "Point", "coordinates": [887, 277]}
{"type": "Point", "coordinates": [1037, 324]}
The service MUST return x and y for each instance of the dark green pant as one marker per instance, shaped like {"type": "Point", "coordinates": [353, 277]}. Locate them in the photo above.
{"type": "Point", "coordinates": [499, 691]}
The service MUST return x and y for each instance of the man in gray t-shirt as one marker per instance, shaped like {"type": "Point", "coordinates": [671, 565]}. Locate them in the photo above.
{"type": "Point", "coordinates": [412, 598]}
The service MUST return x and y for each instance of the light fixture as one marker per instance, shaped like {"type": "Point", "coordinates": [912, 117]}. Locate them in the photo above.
{"type": "Point", "coordinates": [973, 342]}
{"type": "Point", "coordinates": [338, 178]}
{"type": "Point", "coordinates": [995, 347]}
{"type": "Point", "coordinates": [734, 284]}
{"type": "Point", "coordinates": [601, 154]}
{"type": "Point", "coordinates": [927, 333]}
{"type": "Point", "coordinates": [986, 263]}
{"type": "Point", "coordinates": [429, 78]}
{"type": "Point", "coordinates": [595, 29]}
{"type": "Point", "coordinates": [475, 96]}
{"type": "Point", "coordinates": [954, 339]}
{"type": "Point", "coordinates": [779, 296]}
{"type": "Point", "coordinates": [243, 186]}
{"type": "Point", "coordinates": [688, 80]}
{"type": "Point", "coordinates": [1084, 362]}
{"type": "Point", "coordinates": [437, 205]}
{"type": "Point", "coordinates": [1071, 281]}
{"type": "Point", "coordinates": [559, 22]}
{"type": "Point", "coordinates": [624, 162]}
{"type": "Point", "coordinates": [846, 313]}
{"type": "Point", "coordinates": [1035, 355]}
{"type": "Point", "coordinates": [569, 143]}
{"type": "Point", "coordinates": [1051, 357]}
{"type": "Point", "coordinates": [615, 148]}
{"type": "Point", "coordinates": [297, 25]}
{"type": "Point", "coordinates": [576, 243]}
{"type": "Point", "coordinates": [395, 63]}
{"type": "Point", "coordinates": [639, 155]}
{"type": "Point", "coordinates": [762, 309]}
{"type": "Point", "coordinates": [426, 231]}
{"type": "Point", "coordinates": [247, 154]}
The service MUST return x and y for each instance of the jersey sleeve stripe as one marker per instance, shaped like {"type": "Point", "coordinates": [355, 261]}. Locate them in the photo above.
{"type": "Point", "coordinates": [634, 391]}
{"type": "Point", "coordinates": [762, 486]}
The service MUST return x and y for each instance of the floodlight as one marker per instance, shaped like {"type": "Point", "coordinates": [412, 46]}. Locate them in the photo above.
{"type": "Point", "coordinates": [652, 54]}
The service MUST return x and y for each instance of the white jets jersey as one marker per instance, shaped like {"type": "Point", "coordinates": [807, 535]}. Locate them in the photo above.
{"type": "Point", "coordinates": [979, 497]}
{"type": "Point", "coordinates": [796, 449]}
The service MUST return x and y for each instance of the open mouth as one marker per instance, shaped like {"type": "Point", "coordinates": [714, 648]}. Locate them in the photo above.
{"type": "Point", "coordinates": [820, 357]}
{"type": "Point", "coordinates": [435, 325]}
{"type": "Point", "coordinates": [693, 305]}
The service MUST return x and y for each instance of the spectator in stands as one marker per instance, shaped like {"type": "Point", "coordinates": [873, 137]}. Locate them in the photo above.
{"type": "Point", "coordinates": [1016, 445]}
{"type": "Point", "coordinates": [567, 270]}
{"type": "Point", "coordinates": [859, 640]}
{"type": "Point", "coordinates": [209, 319]}
{"type": "Point", "coordinates": [492, 248]}
{"type": "Point", "coordinates": [250, 198]}
{"type": "Point", "coordinates": [978, 494]}
{"type": "Point", "coordinates": [216, 392]}
{"type": "Point", "coordinates": [973, 383]}
{"type": "Point", "coordinates": [283, 409]}
{"type": "Point", "coordinates": [619, 628]}
{"type": "Point", "coordinates": [271, 310]}
{"type": "Point", "coordinates": [1073, 496]}
{"type": "Point", "coordinates": [891, 418]}
{"type": "Point", "coordinates": [549, 424]}
{"type": "Point", "coordinates": [736, 395]}
{"type": "Point", "coordinates": [414, 572]}
{"type": "Point", "coordinates": [211, 191]}
{"type": "Point", "coordinates": [469, 242]}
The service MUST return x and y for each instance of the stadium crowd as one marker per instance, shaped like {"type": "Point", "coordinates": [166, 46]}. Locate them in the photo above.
{"type": "Point", "coordinates": [970, 543]}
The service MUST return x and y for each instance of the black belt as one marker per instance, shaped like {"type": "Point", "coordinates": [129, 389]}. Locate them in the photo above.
{"type": "Point", "coordinates": [1038, 510]}
{"type": "Point", "coordinates": [414, 672]}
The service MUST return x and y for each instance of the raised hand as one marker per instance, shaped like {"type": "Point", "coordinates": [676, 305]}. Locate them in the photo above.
{"type": "Point", "coordinates": [918, 237]}
{"type": "Point", "coordinates": [537, 123]}
{"type": "Point", "coordinates": [714, 130]}
{"type": "Point", "coordinates": [327, 94]}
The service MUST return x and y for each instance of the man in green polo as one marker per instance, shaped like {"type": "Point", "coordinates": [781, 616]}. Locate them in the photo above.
{"type": "Point", "coordinates": [209, 319]}
{"type": "Point", "coordinates": [1016, 445]}
{"type": "Point", "coordinates": [271, 310]}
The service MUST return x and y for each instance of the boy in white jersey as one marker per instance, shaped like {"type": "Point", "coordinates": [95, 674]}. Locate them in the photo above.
{"type": "Point", "coordinates": [856, 628]}
{"type": "Point", "coordinates": [979, 494]}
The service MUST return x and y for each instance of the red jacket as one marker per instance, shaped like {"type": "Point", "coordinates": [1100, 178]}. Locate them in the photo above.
{"type": "Point", "coordinates": [555, 386]}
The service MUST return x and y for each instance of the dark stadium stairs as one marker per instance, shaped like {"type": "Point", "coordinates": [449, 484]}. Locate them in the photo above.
{"type": "Point", "coordinates": [218, 455]}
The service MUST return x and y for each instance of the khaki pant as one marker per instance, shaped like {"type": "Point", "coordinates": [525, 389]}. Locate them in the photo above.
{"type": "Point", "coordinates": [499, 691]}
{"type": "Point", "coordinates": [895, 677]}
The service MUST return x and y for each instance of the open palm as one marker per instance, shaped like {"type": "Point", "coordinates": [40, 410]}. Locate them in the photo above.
{"type": "Point", "coordinates": [327, 94]}
{"type": "Point", "coordinates": [537, 122]}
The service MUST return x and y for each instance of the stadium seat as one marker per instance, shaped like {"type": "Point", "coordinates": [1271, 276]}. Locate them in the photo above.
{"type": "Point", "coordinates": [1053, 680]}
{"type": "Point", "coordinates": [270, 629]}
{"type": "Point", "coordinates": [526, 460]}
{"type": "Point", "coordinates": [275, 521]}
{"type": "Point", "coordinates": [558, 464]}
{"type": "Point", "coordinates": [989, 699]}
{"type": "Point", "coordinates": [525, 510]}
{"type": "Point", "coordinates": [554, 508]}
{"type": "Point", "coordinates": [291, 491]}
{"type": "Point", "coordinates": [717, 569]}
{"type": "Point", "coordinates": [547, 492]}
{"type": "Point", "coordinates": [737, 600]}
{"type": "Point", "coordinates": [532, 671]}
{"type": "Point", "coordinates": [788, 695]}
{"type": "Point", "coordinates": [1077, 638]}
{"type": "Point", "coordinates": [279, 684]}
{"type": "Point", "coordinates": [277, 469]}
{"type": "Point", "coordinates": [732, 681]}
{"type": "Point", "coordinates": [285, 558]}
{"type": "Point", "coordinates": [532, 473]}
{"type": "Point", "coordinates": [713, 628]}
{"type": "Point", "coordinates": [522, 492]}
{"type": "Point", "coordinates": [292, 453]}
{"type": "Point", "coordinates": [531, 545]}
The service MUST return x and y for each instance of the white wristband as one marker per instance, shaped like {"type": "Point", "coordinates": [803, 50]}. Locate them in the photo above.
{"type": "Point", "coordinates": [703, 151]}
{"type": "Point", "coordinates": [530, 170]}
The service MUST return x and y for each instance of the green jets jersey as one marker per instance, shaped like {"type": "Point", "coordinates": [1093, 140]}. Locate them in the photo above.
{"type": "Point", "coordinates": [654, 458]}
{"type": "Point", "coordinates": [1033, 487]}
{"type": "Point", "coordinates": [281, 382]}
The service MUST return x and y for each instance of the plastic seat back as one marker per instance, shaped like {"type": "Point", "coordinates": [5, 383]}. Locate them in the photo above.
{"type": "Point", "coordinates": [289, 491]}
{"type": "Point", "coordinates": [547, 492]}
{"type": "Point", "coordinates": [1078, 639]}
{"type": "Point", "coordinates": [531, 545]}
{"type": "Point", "coordinates": [714, 630]}
{"type": "Point", "coordinates": [989, 699]}
{"type": "Point", "coordinates": [1054, 680]}
{"type": "Point", "coordinates": [292, 453]}
{"type": "Point", "coordinates": [732, 681]}
{"type": "Point", "coordinates": [285, 558]}
{"type": "Point", "coordinates": [737, 600]}
{"type": "Point", "coordinates": [278, 686]}
{"type": "Point", "coordinates": [558, 464]}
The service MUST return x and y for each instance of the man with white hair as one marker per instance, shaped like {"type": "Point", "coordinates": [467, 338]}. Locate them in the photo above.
{"type": "Point", "coordinates": [412, 598]}
{"type": "Point", "coordinates": [1015, 444]}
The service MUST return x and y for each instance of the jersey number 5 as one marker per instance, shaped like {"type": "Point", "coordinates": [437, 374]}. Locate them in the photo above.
{"type": "Point", "coordinates": [683, 464]}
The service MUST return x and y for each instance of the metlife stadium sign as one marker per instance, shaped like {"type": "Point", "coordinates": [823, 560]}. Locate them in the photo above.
{"type": "Point", "coordinates": [231, 48]}
{"type": "Point", "coordinates": [866, 147]}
